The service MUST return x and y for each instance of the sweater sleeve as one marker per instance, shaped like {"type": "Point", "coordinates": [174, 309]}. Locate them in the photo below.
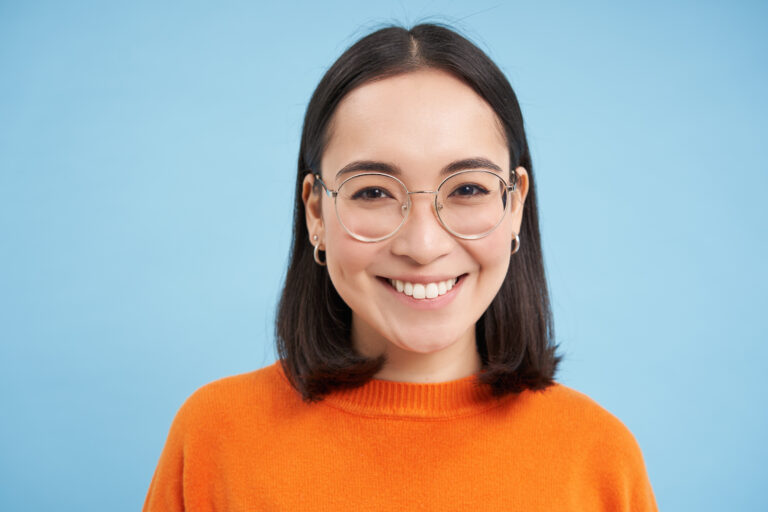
{"type": "Point", "coordinates": [626, 486]}
{"type": "Point", "coordinates": [640, 495]}
{"type": "Point", "coordinates": [166, 492]}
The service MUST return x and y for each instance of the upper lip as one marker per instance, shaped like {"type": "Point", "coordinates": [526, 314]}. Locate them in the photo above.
{"type": "Point", "coordinates": [424, 279]}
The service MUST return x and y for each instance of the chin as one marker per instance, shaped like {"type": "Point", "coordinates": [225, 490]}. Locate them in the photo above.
{"type": "Point", "coordinates": [425, 341]}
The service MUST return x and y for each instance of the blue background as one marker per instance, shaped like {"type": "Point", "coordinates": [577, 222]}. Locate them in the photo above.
{"type": "Point", "coordinates": [147, 159]}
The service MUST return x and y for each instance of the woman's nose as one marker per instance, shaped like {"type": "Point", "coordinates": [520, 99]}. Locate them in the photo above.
{"type": "Point", "coordinates": [422, 238]}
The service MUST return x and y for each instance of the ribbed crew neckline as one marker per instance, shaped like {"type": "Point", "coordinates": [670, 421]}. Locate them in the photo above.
{"type": "Point", "coordinates": [382, 398]}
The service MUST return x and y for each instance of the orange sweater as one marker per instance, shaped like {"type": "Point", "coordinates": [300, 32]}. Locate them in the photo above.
{"type": "Point", "coordinates": [248, 443]}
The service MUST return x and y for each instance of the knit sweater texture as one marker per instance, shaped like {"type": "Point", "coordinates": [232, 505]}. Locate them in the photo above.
{"type": "Point", "coordinates": [249, 443]}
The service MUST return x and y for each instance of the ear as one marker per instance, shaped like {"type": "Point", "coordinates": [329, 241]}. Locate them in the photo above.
{"type": "Point", "coordinates": [519, 195]}
{"type": "Point", "coordinates": [312, 210]}
{"type": "Point", "coordinates": [522, 184]}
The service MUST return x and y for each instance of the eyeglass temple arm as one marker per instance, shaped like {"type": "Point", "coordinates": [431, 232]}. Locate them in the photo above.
{"type": "Point", "coordinates": [513, 186]}
{"type": "Point", "coordinates": [328, 192]}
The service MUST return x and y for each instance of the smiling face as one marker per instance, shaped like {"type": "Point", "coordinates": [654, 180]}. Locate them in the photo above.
{"type": "Point", "coordinates": [415, 125]}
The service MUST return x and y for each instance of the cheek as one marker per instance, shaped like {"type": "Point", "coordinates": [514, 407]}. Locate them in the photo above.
{"type": "Point", "coordinates": [348, 260]}
{"type": "Point", "coordinates": [492, 254]}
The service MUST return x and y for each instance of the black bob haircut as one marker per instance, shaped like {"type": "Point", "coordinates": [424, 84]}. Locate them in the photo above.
{"type": "Point", "coordinates": [514, 336]}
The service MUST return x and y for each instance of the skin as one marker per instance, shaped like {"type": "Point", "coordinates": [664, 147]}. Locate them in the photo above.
{"type": "Point", "coordinates": [419, 122]}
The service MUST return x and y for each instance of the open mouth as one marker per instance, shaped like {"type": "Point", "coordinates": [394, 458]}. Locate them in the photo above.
{"type": "Point", "coordinates": [423, 290]}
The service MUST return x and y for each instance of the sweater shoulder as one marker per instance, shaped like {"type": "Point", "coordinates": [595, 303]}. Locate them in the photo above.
{"type": "Point", "coordinates": [252, 392]}
{"type": "Point", "coordinates": [572, 401]}
{"type": "Point", "coordinates": [596, 440]}
{"type": "Point", "coordinates": [587, 422]}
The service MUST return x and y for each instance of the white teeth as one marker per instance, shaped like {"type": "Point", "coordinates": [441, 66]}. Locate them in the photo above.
{"type": "Point", "coordinates": [423, 291]}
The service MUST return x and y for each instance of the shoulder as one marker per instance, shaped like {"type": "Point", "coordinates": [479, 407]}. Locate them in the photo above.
{"type": "Point", "coordinates": [595, 454]}
{"type": "Point", "coordinates": [236, 397]}
{"type": "Point", "coordinates": [575, 418]}
{"type": "Point", "coordinates": [567, 403]}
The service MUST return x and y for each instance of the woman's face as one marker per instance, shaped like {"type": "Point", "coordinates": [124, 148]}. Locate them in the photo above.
{"type": "Point", "coordinates": [417, 123]}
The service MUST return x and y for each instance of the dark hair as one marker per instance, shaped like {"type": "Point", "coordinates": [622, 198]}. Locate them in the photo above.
{"type": "Point", "coordinates": [514, 336]}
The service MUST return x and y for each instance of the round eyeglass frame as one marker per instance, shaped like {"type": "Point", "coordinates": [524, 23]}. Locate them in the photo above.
{"type": "Point", "coordinates": [407, 206]}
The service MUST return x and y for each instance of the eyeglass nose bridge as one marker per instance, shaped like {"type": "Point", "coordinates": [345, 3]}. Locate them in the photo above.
{"type": "Point", "coordinates": [406, 207]}
{"type": "Point", "coordinates": [438, 207]}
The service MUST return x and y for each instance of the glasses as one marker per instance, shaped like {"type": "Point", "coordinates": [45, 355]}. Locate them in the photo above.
{"type": "Point", "coordinates": [372, 206]}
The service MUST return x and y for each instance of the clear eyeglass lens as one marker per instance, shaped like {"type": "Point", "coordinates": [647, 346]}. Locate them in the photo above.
{"type": "Point", "coordinates": [471, 204]}
{"type": "Point", "coordinates": [373, 206]}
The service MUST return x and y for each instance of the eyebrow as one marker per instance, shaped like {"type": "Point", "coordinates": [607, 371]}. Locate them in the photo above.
{"type": "Point", "coordinates": [458, 165]}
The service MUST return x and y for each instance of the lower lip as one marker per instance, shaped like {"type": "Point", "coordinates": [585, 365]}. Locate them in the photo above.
{"type": "Point", "coordinates": [426, 304]}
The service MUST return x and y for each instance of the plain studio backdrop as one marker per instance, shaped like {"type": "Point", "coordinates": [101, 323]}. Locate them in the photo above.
{"type": "Point", "coordinates": [147, 162]}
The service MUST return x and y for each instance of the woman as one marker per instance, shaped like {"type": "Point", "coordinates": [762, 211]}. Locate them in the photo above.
{"type": "Point", "coordinates": [414, 331]}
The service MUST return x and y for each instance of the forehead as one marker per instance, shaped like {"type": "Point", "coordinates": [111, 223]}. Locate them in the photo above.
{"type": "Point", "coordinates": [419, 120]}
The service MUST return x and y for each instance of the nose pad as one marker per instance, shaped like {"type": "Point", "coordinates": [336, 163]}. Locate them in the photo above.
{"type": "Point", "coordinates": [408, 207]}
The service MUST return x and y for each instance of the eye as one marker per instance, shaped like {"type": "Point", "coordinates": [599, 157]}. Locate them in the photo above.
{"type": "Point", "coordinates": [469, 190]}
{"type": "Point", "coordinates": [371, 193]}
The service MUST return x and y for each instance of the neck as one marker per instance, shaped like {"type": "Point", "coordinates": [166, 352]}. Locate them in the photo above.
{"type": "Point", "coordinates": [453, 361]}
